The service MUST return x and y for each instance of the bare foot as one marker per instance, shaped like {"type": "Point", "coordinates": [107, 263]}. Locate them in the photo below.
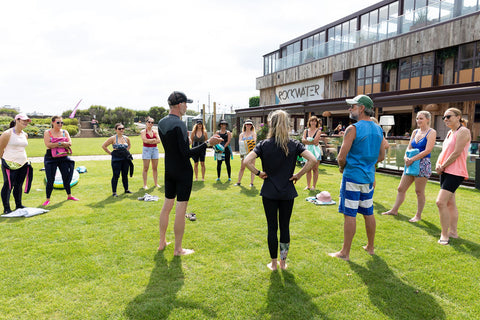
{"type": "Point", "coordinates": [369, 250]}
{"type": "Point", "coordinates": [163, 246]}
{"type": "Point", "coordinates": [283, 265]}
{"type": "Point", "coordinates": [339, 255]}
{"type": "Point", "coordinates": [183, 252]}
{"type": "Point", "coordinates": [272, 266]}
{"type": "Point", "coordinates": [415, 219]}
{"type": "Point", "coordinates": [145, 187]}
{"type": "Point", "coordinates": [390, 213]}
{"type": "Point", "coordinates": [453, 235]}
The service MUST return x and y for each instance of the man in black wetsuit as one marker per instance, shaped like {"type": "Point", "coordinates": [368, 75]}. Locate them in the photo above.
{"type": "Point", "coordinates": [178, 168]}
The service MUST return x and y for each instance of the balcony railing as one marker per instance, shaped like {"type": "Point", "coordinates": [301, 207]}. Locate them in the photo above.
{"type": "Point", "coordinates": [435, 12]}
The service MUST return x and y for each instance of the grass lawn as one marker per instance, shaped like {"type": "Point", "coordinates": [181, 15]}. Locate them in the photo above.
{"type": "Point", "coordinates": [97, 258]}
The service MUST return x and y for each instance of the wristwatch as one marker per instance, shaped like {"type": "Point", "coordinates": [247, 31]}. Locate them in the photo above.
{"type": "Point", "coordinates": [208, 143]}
{"type": "Point", "coordinates": [258, 173]}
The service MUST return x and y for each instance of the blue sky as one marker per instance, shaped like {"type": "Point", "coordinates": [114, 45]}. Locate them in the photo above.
{"type": "Point", "coordinates": [134, 53]}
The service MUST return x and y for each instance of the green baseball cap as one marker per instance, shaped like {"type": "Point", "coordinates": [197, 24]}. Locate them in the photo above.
{"type": "Point", "coordinates": [362, 100]}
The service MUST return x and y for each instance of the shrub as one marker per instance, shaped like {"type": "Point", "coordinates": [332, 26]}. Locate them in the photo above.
{"type": "Point", "coordinates": [72, 129]}
{"type": "Point", "coordinates": [263, 132]}
{"type": "Point", "coordinates": [5, 120]}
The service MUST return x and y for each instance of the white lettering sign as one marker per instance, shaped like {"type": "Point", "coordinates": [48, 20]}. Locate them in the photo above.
{"type": "Point", "coordinates": [299, 92]}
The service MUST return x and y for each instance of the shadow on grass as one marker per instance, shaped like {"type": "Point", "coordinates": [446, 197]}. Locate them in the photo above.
{"type": "Point", "coordinates": [160, 296]}
{"type": "Point", "coordinates": [105, 202]}
{"type": "Point", "coordinates": [250, 191]}
{"type": "Point", "coordinates": [286, 300]}
{"type": "Point", "coordinates": [222, 185]}
{"type": "Point", "coordinates": [392, 296]}
{"type": "Point", "coordinates": [459, 244]}
{"type": "Point", "coordinates": [198, 185]}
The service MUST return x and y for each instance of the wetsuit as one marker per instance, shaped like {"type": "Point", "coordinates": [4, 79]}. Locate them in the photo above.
{"type": "Point", "coordinates": [178, 168]}
{"type": "Point", "coordinates": [228, 155]}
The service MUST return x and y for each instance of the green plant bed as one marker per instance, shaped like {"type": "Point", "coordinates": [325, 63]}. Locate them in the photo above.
{"type": "Point", "coordinates": [97, 258]}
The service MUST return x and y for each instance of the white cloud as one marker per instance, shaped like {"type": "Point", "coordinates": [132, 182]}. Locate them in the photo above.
{"type": "Point", "coordinates": [134, 53]}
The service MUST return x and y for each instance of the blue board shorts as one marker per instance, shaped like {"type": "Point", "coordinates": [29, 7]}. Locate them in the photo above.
{"type": "Point", "coordinates": [355, 198]}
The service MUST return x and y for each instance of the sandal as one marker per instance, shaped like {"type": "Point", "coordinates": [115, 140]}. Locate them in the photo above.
{"type": "Point", "coordinates": [444, 242]}
{"type": "Point", "coordinates": [191, 216]}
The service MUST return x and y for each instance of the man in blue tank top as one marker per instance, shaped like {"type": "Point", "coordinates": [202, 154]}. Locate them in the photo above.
{"type": "Point", "coordinates": [178, 168]}
{"type": "Point", "coordinates": [360, 151]}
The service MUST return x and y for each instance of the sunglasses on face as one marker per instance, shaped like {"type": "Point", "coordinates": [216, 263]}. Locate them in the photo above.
{"type": "Point", "coordinates": [59, 122]}
{"type": "Point", "coordinates": [149, 121]}
{"type": "Point", "coordinates": [446, 117]}
{"type": "Point", "coordinates": [120, 128]}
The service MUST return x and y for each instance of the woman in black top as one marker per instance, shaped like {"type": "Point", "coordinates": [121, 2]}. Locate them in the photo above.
{"type": "Point", "coordinates": [227, 154]}
{"type": "Point", "coordinates": [278, 154]}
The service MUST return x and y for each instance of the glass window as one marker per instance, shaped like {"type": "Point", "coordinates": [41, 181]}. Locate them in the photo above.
{"type": "Point", "coordinates": [369, 79]}
{"type": "Point", "coordinates": [408, 6]}
{"type": "Point", "coordinates": [405, 68]}
{"type": "Point", "coordinates": [469, 6]}
{"type": "Point", "coordinates": [393, 10]}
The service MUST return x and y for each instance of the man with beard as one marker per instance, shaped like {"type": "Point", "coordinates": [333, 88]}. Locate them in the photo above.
{"type": "Point", "coordinates": [360, 151]}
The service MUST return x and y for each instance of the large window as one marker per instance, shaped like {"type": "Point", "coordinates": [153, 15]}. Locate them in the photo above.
{"type": "Point", "coordinates": [417, 71]}
{"type": "Point", "coordinates": [369, 79]}
{"type": "Point", "coordinates": [468, 65]}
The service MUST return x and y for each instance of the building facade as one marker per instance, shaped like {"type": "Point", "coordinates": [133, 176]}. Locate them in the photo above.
{"type": "Point", "coordinates": [407, 55]}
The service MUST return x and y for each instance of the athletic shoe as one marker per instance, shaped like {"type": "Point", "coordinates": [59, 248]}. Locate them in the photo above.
{"type": "Point", "coordinates": [72, 198]}
{"type": "Point", "coordinates": [46, 203]}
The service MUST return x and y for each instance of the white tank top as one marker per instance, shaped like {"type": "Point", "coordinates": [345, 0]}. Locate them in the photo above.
{"type": "Point", "coordinates": [15, 149]}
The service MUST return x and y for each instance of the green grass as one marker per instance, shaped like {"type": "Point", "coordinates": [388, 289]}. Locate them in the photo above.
{"type": "Point", "coordinates": [97, 258]}
{"type": "Point", "coordinates": [84, 146]}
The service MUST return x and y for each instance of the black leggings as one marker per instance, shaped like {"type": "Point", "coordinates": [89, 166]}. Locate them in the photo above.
{"type": "Point", "coordinates": [17, 177]}
{"type": "Point", "coordinates": [66, 167]}
{"type": "Point", "coordinates": [227, 164]}
{"type": "Point", "coordinates": [277, 211]}
{"type": "Point", "coordinates": [120, 166]}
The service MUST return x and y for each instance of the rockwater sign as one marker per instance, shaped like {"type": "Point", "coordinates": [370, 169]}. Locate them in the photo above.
{"type": "Point", "coordinates": [300, 92]}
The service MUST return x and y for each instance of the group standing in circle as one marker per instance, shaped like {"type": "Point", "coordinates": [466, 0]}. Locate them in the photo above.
{"type": "Point", "coordinates": [15, 165]}
{"type": "Point", "coordinates": [121, 158]}
{"type": "Point", "coordinates": [198, 136]}
{"type": "Point", "coordinates": [150, 153]}
{"type": "Point", "coordinates": [58, 142]}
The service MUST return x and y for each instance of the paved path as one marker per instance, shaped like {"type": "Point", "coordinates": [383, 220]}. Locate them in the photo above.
{"type": "Point", "coordinates": [104, 157]}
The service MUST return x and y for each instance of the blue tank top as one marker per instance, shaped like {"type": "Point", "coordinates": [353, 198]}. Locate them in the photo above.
{"type": "Point", "coordinates": [422, 143]}
{"type": "Point", "coordinates": [118, 146]}
{"type": "Point", "coordinates": [363, 154]}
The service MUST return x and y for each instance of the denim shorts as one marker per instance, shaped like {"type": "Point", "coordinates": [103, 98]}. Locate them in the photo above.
{"type": "Point", "coordinates": [150, 153]}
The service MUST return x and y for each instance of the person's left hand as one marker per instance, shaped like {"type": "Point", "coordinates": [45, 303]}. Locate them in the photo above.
{"type": "Point", "coordinates": [294, 178]}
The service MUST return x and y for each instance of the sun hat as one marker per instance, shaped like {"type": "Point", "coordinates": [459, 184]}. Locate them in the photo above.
{"type": "Point", "coordinates": [324, 197]}
{"type": "Point", "coordinates": [223, 121]}
{"type": "Point", "coordinates": [361, 100]}
{"type": "Point", "coordinates": [22, 116]}
{"type": "Point", "coordinates": [177, 97]}
{"type": "Point", "coordinates": [199, 121]}
{"type": "Point", "coordinates": [248, 121]}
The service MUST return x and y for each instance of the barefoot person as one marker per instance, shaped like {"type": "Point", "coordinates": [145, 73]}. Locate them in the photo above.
{"type": "Point", "coordinates": [311, 139]}
{"type": "Point", "coordinates": [360, 151]}
{"type": "Point", "coordinates": [278, 154]}
{"type": "Point", "coordinates": [249, 137]}
{"type": "Point", "coordinates": [178, 169]}
{"type": "Point", "coordinates": [198, 136]}
{"type": "Point", "coordinates": [422, 139]}
{"type": "Point", "coordinates": [150, 152]}
{"type": "Point", "coordinates": [452, 168]}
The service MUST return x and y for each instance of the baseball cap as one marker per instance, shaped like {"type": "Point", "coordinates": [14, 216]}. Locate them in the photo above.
{"type": "Point", "coordinates": [177, 97]}
{"type": "Point", "coordinates": [22, 116]}
{"type": "Point", "coordinates": [362, 100]}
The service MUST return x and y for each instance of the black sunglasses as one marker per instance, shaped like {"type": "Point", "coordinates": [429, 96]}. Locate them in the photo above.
{"type": "Point", "coordinates": [59, 122]}
{"type": "Point", "coordinates": [446, 117]}
{"type": "Point", "coordinates": [149, 121]}
{"type": "Point", "coordinates": [120, 128]}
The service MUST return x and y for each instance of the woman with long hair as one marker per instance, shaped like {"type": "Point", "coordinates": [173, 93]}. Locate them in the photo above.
{"type": "Point", "coordinates": [54, 138]}
{"type": "Point", "coordinates": [249, 138]}
{"type": "Point", "coordinates": [452, 168]}
{"type": "Point", "coordinates": [150, 153]}
{"type": "Point", "coordinates": [311, 139]}
{"type": "Point", "coordinates": [121, 157]}
{"type": "Point", "coordinates": [227, 153]}
{"type": "Point", "coordinates": [279, 155]}
{"type": "Point", "coordinates": [422, 139]}
{"type": "Point", "coordinates": [198, 136]}
{"type": "Point", "coordinates": [15, 166]}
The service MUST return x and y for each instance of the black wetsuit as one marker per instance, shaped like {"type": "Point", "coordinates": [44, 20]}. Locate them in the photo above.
{"type": "Point", "coordinates": [178, 168]}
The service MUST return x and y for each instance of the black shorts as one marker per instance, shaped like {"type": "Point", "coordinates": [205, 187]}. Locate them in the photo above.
{"type": "Point", "coordinates": [450, 182]}
{"type": "Point", "coordinates": [179, 186]}
{"type": "Point", "coordinates": [199, 157]}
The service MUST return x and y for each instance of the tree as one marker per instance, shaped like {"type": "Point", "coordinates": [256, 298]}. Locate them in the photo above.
{"type": "Point", "coordinates": [157, 113]}
{"type": "Point", "coordinates": [254, 102]}
{"type": "Point", "coordinates": [97, 112]}
{"type": "Point", "coordinates": [191, 113]}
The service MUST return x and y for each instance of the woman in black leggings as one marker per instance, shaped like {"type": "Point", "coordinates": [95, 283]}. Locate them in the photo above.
{"type": "Point", "coordinates": [227, 154]}
{"type": "Point", "coordinates": [279, 155]}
